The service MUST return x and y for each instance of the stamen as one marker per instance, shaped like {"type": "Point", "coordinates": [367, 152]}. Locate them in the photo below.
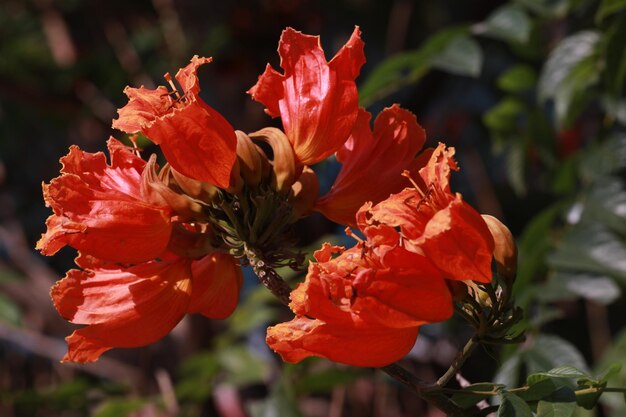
{"type": "Point", "coordinates": [352, 235]}
{"type": "Point", "coordinates": [406, 173]}
{"type": "Point", "coordinates": [168, 78]}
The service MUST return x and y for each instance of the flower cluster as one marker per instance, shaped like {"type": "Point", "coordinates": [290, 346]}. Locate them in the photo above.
{"type": "Point", "coordinates": [158, 242]}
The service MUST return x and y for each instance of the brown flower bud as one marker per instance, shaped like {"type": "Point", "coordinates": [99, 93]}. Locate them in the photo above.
{"type": "Point", "coordinates": [158, 191]}
{"type": "Point", "coordinates": [284, 169]}
{"type": "Point", "coordinates": [304, 192]}
{"type": "Point", "coordinates": [253, 164]}
{"type": "Point", "coordinates": [196, 189]}
{"type": "Point", "coordinates": [505, 250]}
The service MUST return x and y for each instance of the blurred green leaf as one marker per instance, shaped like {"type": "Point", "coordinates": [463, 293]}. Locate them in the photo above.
{"type": "Point", "coordinates": [571, 68]}
{"type": "Point", "coordinates": [504, 115]}
{"type": "Point", "coordinates": [517, 79]}
{"type": "Point", "coordinates": [508, 23]}
{"type": "Point", "coordinates": [516, 167]}
{"type": "Point", "coordinates": [196, 377]}
{"type": "Point", "coordinates": [461, 56]}
{"type": "Point", "coordinates": [9, 311]}
{"type": "Point", "coordinates": [406, 68]}
{"type": "Point", "coordinates": [604, 159]}
{"type": "Point", "coordinates": [607, 8]}
{"type": "Point", "coordinates": [591, 248]}
{"type": "Point", "coordinates": [548, 8]}
{"type": "Point", "coordinates": [513, 406]}
{"type": "Point", "coordinates": [539, 389]}
{"type": "Point", "coordinates": [549, 352]}
{"type": "Point", "coordinates": [326, 380]}
{"type": "Point", "coordinates": [569, 285]}
{"type": "Point", "coordinates": [119, 407]}
{"type": "Point", "coordinates": [280, 403]}
{"type": "Point", "coordinates": [242, 367]}
{"type": "Point", "coordinates": [555, 409]}
{"type": "Point", "coordinates": [615, 57]}
{"type": "Point", "coordinates": [508, 373]}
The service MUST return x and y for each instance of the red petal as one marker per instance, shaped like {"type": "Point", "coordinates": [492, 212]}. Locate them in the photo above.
{"type": "Point", "coordinates": [99, 209]}
{"type": "Point", "coordinates": [459, 243]}
{"type": "Point", "coordinates": [357, 345]}
{"type": "Point", "coordinates": [391, 149]}
{"type": "Point", "coordinates": [216, 281]}
{"type": "Point", "coordinates": [122, 307]}
{"type": "Point", "coordinates": [316, 100]}
{"type": "Point", "coordinates": [198, 142]}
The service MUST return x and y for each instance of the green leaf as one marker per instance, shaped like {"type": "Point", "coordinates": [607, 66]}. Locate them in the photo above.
{"type": "Point", "coordinates": [469, 399]}
{"type": "Point", "coordinates": [513, 406]}
{"type": "Point", "coordinates": [508, 23]}
{"type": "Point", "coordinates": [604, 159]}
{"type": "Point", "coordinates": [566, 372]}
{"type": "Point", "coordinates": [406, 68]}
{"type": "Point", "coordinates": [592, 248]}
{"type": "Point", "coordinates": [570, 285]}
{"type": "Point", "coordinates": [508, 373]}
{"type": "Point", "coordinates": [607, 8]}
{"type": "Point", "coordinates": [461, 56]}
{"type": "Point", "coordinates": [242, 366]}
{"type": "Point", "coordinates": [503, 116]}
{"type": "Point", "coordinates": [611, 372]}
{"type": "Point", "coordinates": [548, 8]}
{"type": "Point", "coordinates": [280, 403]}
{"type": "Point", "coordinates": [324, 381]}
{"type": "Point", "coordinates": [119, 407]}
{"type": "Point", "coordinates": [615, 57]}
{"type": "Point", "coordinates": [552, 409]}
{"type": "Point", "coordinates": [606, 203]}
{"type": "Point", "coordinates": [571, 68]}
{"type": "Point", "coordinates": [517, 79]}
{"type": "Point", "coordinates": [540, 389]}
{"type": "Point", "coordinates": [9, 311]}
{"type": "Point", "coordinates": [550, 352]}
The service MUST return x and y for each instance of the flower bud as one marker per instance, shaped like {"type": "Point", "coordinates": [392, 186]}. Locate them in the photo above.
{"type": "Point", "coordinates": [304, 192]}
{"type": "Point", "coordinates": [158, 191]}
{"type": "Point", "coordinates": [505, 250]}
{"type": "Point", "coordinates": [284, 170]}
{"type": "Point", "coordinates": [253, 164]}
{"type": "Point", "coordinates": [196, 189]}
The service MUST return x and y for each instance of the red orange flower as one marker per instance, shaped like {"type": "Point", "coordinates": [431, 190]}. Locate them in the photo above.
{"type": "Point", "coordinates": [316, 100]}
{"type": "Point", "coordinates": [360, 309]}
{"type": "Point", "coordinates": [101, 210]}
{"type": "Point", "coordinates": [372, 163]}
{"type": "Point", "coordinates": [135, 306]}
{"type": "Point", "coordinates": [435, 222]}
{"type": "Point", "coordinates": [195, 139]}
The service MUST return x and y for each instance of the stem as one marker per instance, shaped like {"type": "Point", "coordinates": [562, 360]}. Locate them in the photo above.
{"type": "Point", "coordinates": [424, 390]}
{"type": "Point", "coordinates": [458, 362]}
{"type": "Point", "coordinates": [270, 278]}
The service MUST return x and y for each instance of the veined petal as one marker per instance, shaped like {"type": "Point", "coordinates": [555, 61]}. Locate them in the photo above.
{"type": "Point", "coordinates": [196, 140]}
{"type": "Point", "coordinates": [123, 307]}
{"type": "Point", "coordinates": [216, 279]}
{"type": "Point", "coordinates": [358, 344]}
{"type": "Point", "coordinates": [100, 210]}
{"type": "Point", "coordinates": [458, 242]}
{"type": "Point", "coordinates": [317, 100]}
{"type": "Point", "coordinates": [373, 163]}
{"type": "Point", "coordinates": [403, 297]}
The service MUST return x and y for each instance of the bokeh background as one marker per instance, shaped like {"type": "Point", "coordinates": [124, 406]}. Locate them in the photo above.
{"type": "Point", "coordinates": [539, 137]}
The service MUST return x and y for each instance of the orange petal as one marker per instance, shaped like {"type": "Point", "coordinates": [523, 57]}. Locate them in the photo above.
{"type": "Point", "coordinates": [316, 100]}
{"type": "Point", "coordinates": [357, 345]}
{"type": "Point", "coordinates": [216, 282]}
{"type": "Point", "coordinates": [373, 163]}
{"type": "Point", "coordinates": [122, 307]}
{"type": "Point", "coordinates": [100, 209]}
{"type": "Point", "coordinates": [458, 242]}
